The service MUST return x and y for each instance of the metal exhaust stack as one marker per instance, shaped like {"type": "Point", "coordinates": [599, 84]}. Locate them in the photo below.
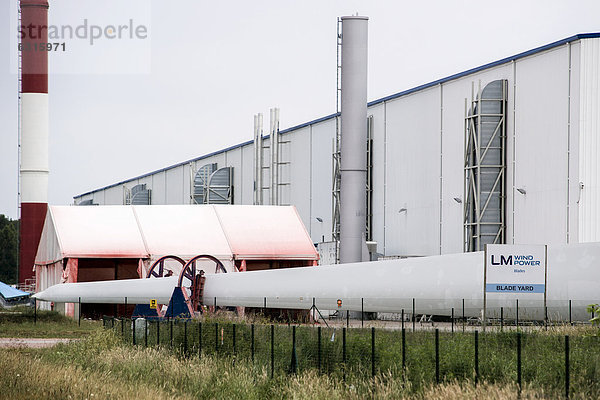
{"type": "Point", "coordinates": [258, 158]}
{"type": "Point", "coordinates": [353, 138]}
{"type": "Point", "coordinates": [33, 171]}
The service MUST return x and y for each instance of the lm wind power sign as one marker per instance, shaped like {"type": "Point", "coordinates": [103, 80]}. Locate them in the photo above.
{"type": "Point", "coordinates": [515, 269]}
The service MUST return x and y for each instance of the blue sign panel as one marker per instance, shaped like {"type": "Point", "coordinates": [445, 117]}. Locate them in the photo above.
{"type": "Point", "coordinates": [514, 288]}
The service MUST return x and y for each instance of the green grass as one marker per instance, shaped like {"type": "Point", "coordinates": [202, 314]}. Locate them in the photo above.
{"type": "Point", "coordinates": [208, 363]}
{"type": "Point", "coordinates": [543, 354]}
{"type": "Point", "coordinates": [102, 366]}
{"type": "Point", "coordinates": [20, 322]}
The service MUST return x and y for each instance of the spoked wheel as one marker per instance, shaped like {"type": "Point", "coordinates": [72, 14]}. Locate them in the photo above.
{"type": "Point", "coordinates": [191, 279]}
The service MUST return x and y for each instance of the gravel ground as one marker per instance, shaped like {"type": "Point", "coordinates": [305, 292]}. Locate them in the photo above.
{"type": "Point", "coordinates": [31, 343]}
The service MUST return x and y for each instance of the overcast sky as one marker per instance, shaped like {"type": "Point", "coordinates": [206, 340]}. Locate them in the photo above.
{"type": "Point", "coordinates": [123, 107]}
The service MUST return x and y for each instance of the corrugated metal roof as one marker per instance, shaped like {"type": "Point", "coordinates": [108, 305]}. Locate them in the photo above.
{"type": "Point", "coordinates": [372, 103]}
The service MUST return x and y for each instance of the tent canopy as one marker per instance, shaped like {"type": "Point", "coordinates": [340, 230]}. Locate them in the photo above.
{"type": "Point", "coordinates": [266, 232]}
{"type": "Point", "coordinates": [149, 232]}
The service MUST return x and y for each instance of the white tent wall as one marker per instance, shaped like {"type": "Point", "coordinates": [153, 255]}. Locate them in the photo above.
{"type": "Point", "coordinates": [46, 276]}
{"type": "Point", "coordinates": [418, 158]}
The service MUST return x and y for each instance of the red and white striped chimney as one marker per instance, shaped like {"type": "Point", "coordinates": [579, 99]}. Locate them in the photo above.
{"type": "Point", "coordinates": [34, 131]}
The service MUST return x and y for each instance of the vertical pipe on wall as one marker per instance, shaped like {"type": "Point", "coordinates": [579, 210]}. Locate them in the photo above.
{"type": "Point", "coordinates": [258, 158]}
{"type": "Point", "coordinates": [274, 114]}
{"type": "Point", "coordinates": [353, 138]}
{"type": "Point", "coordinates": [33, 168]}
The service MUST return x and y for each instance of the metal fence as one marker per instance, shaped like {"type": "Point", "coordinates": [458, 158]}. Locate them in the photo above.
{"type": "Point", "coordinates": [422, 357]}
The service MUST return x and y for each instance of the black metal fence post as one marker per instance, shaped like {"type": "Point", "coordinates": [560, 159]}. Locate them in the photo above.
{"type": "Point", "coordinates": [171, 333]}
{"type": "Point", "coordinates": [414, 317]}
{"type": "Point", "coordinates": [294, 362]}
{"type": "Point", "coordinates": [272, 350]}
{"type": "Point", "coordinates": [122, 327]}
{"type": "Point", "coordinates": [252, 342]}
{"type": "Point", "coordinates": [362, 312]}
{"type": "Point", "coordinates": [519, 360]}
{"type": "Point", "coordinates": [476, 357]}
{"type": "Point", "coordinates": [344, 353]}
{"type": "Point", "coordinates": [452, 318]}
{"type": "Point", "coordinates": [348, 319]}
{"type": "Point", "coordinates": [463, 314]}
{"type": "Point", "coordinates": [567, 369]}
{"type": "Point", "coordinates": [319, 349]}
{"type": "Point", "coordinates": [216, 338]}
{"type": "Point", "coordinates": [200, 339]}
{"type": "Point", "coordinates": [570, 319]}
{"type": "Point", "coordinates": [517, 314]}
{"type": "Point", "coordinates": [79, 312]}
{"type": "Point", "coordinates": [402, 318]}
{"type": "Point", "coordinates": [373, 352]}
{"type": "Point", "coordinates": [233, 338]}
{"type": "Point", "coordinates": [403, 350]}
{"type": "Point", "coordinates": [501, 319]}
{"type": "Point", "coordinates": [185, 339]}
{"type": "Point", "coordinates": [158, 332]}
{"type": "Point", "coordinates": [437, 356]}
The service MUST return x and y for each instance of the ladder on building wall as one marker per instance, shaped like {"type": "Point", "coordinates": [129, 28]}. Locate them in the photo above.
{"type": "Point", "coordinates": [284, 187]}
{"type": "Point", "coordinates": [337, 177]}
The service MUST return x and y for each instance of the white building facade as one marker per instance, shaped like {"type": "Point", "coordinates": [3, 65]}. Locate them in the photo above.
{"type": "Point", "coordinates": [544, 186]}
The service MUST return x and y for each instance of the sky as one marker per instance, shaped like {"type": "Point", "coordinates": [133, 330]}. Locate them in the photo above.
{"type": "Point", "coordinates": [192, 80]}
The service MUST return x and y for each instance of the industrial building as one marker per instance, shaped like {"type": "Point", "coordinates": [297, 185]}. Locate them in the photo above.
{"type": "Point", "coordinates": [500, 154]}
{"type": "Point", "coordinates": [503, 153]}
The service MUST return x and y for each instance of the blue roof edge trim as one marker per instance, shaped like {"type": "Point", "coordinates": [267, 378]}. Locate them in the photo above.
{"type": "Point", "coordinates": [486, 66]}
{"type": "Point", "coordinates": [369, 104]}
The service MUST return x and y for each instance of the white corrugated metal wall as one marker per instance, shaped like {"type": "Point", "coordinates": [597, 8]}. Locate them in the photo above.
{"type": "Point", "coordinates": [418, 148]}
{"type": "Point", "coordinates": [589, 144]}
